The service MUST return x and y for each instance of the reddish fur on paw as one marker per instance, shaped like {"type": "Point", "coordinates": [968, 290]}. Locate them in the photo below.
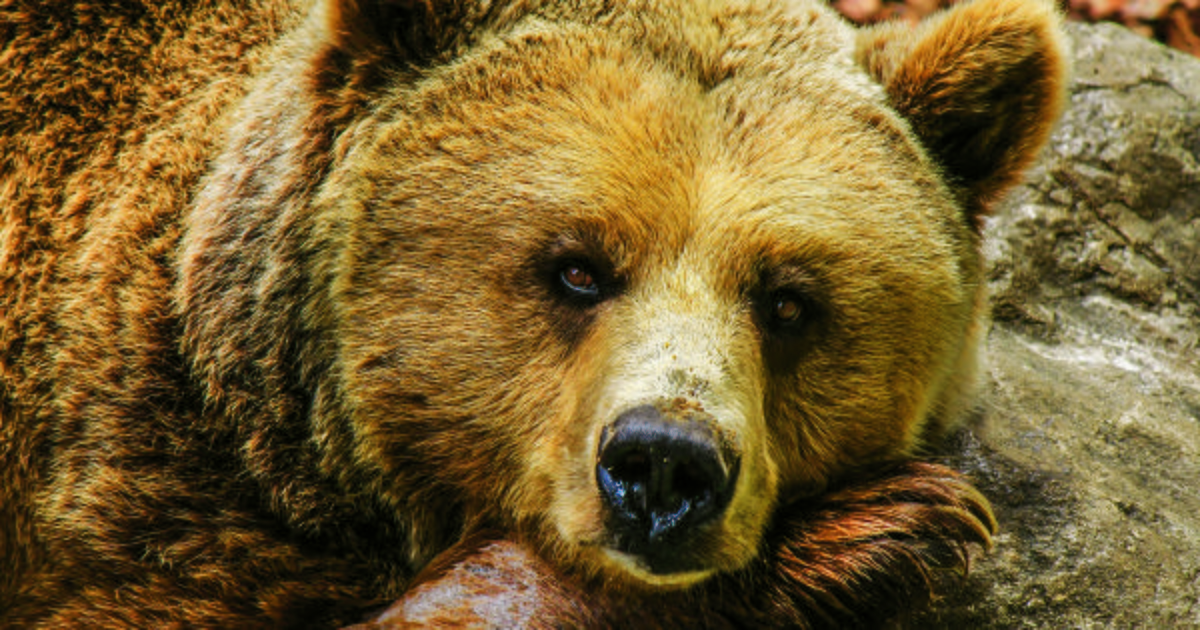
{"type": "Point", "coordinates": [487, 581]}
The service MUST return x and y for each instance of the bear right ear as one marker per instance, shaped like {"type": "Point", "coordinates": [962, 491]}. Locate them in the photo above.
{"type": "Point", "coordinates": [981, 84]}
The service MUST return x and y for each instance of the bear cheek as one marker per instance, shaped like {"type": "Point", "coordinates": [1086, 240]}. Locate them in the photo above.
{"type": "Point", "coordinates": [562, 455]}
{"type": "Point", "coordinates": [865, 392]}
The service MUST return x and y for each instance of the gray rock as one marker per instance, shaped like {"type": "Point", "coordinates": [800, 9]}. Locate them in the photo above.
{"type": "Point", "coordinates": [1088, 442]}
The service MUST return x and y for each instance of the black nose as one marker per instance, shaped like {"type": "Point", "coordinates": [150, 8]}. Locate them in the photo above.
{"type": "Point", "coordinates": [661, 479]}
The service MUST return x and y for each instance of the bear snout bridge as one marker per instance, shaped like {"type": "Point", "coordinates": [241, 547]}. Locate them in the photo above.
{"type": "Point", "coordinates": [661, 481]}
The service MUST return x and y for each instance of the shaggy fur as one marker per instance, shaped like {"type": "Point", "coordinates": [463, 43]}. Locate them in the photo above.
{"type": "Point", "coordinates": [279, 321]}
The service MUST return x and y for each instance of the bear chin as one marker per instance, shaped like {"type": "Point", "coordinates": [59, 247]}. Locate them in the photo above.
{"type": "Point", "coordinates": [644, 575]}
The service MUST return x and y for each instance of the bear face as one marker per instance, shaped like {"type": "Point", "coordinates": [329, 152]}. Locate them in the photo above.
{"type": "Point", "coordinates": [689, 260]}
{"type": "Point", "coordinates": [624, 280]}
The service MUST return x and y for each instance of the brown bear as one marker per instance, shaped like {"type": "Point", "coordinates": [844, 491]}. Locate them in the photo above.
{"type": "Point", "coordinates": [302, 307]}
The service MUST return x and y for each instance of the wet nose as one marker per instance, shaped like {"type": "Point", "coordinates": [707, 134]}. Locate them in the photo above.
{"type": "Point", "coordinates": [661, 479]}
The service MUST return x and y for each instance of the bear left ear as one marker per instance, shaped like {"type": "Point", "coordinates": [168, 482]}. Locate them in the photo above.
{"type": "Point", "coordinates": [410, 30]}
{"type": "Point", "coordinates": [361, 43]}
{"type": "Point", "coordinates": [981, 84]}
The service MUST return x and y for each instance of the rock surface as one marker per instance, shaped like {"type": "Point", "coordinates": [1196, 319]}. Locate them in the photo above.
{"type": "Point", "coordinates": [1088, 442]}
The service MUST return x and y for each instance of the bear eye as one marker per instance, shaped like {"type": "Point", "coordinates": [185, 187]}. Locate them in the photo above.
{"type": "Point", "coordinates": [786, 309]}
{"type": "Point", "coordinates": [579, 280]}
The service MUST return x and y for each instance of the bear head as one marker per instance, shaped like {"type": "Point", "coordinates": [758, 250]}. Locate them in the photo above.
{"type": "Point", "coordinates": [621, 278]}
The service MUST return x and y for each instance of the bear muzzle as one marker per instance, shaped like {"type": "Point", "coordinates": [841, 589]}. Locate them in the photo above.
{"type": "Point", "coordinates": [664, 477]}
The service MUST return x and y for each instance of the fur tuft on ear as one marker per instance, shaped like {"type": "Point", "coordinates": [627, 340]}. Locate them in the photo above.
{"type": "Point", "coordinates": [363, 42]}
{"type": "Point", "coordinates": [981, 84]}
{"type": "Point", "coordinates": [411, 30]}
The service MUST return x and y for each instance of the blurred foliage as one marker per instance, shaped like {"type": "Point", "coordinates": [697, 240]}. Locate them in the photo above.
{"type": "Point", "coordinates": [1175, 23]}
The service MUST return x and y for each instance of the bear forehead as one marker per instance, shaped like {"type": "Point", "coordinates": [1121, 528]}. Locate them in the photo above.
{"type": "Point", "coordinates": [760, 66]}
{"type": "Point", "coordinates": [556, 125]}
{"type": "Point", "coordinates": [755, 150]}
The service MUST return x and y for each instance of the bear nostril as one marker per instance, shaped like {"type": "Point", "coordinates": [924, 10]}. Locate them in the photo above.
{"type": "Point", "coordinates": [632, 465]}
{"type": "Point", "coordinates": [660, 479]}
{"type": "Point", "coordinates": [689, 481]}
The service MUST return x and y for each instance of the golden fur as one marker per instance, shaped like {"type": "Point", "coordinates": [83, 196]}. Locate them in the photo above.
{"type": "Point", "coordinates": [277, 316]}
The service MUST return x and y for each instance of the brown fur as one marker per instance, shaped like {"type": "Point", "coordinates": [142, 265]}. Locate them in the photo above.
{"type": "Point", "coordinates": [275, 325]}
